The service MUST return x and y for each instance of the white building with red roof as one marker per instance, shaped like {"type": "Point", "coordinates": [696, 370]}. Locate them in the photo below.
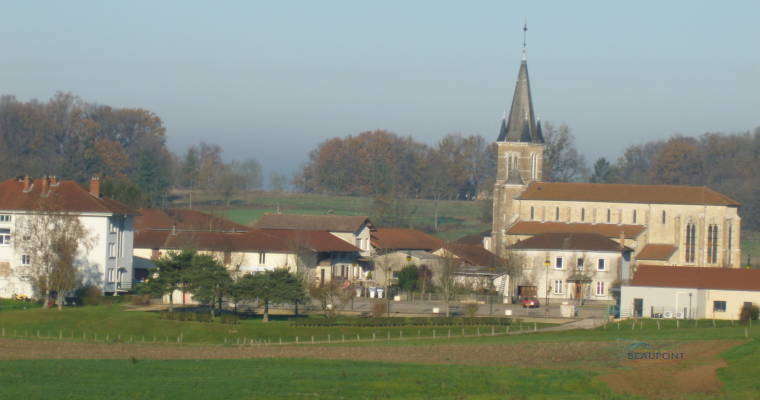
{"type": "Point", "coordinates": [107, 264]}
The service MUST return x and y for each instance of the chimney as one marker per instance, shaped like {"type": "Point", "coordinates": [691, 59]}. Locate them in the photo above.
{"type": "Point", "coordinates": [27, 184]}
{"type": "Point", "coordinates": [54, 181]}
{"type": "Point", "coordinates": [45, 182]}
{"type": "Point", "coordinates": [95, 186]}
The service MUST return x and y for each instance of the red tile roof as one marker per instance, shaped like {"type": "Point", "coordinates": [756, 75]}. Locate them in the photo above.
{"type": "Point", "coordinates": [697, 277]}
{"type": "Point", "coordinates": [319, 241]}
{"type": "Point", "coordinates": [568, 241]}
{"type": "Point", "coordinates": [66, 196]}
{"type": "Point", "coordinates": [403, 239]}
{"type": "Point", "coordinates": [184, 219]}
{"type": "Point", "coordinates": [330, 223]}
{"type": "Point", "coordinates": [655, 251]}
{"type": "Point", "coordinates": [625, 193]}
{"type": "Point", "coordinates": [607, 230]}
{"type": "Point", "coordinates": [475, 238]}
{"type": "Point", "coordinates": [471, 254]}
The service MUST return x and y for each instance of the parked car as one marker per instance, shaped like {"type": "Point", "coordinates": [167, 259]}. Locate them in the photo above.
{"type": "Point", "coordinates": [530, 302]}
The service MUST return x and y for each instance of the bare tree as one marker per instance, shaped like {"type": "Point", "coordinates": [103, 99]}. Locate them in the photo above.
{"type": "Point", "coordinates": [52, 239]}
{"type": "Point", "coordinates": [447, 284]}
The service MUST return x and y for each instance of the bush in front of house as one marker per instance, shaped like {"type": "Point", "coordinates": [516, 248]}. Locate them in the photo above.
{"type": "Point", "coordinates": [749, 312]}
{"type": "Point", "coordinates": [231, 319]}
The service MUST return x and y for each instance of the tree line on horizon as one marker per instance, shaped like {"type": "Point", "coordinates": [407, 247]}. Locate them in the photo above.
{"type": "Point", "coordinates": [74, 139]}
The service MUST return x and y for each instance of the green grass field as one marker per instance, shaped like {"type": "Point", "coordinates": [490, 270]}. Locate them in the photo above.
{"type": "Point", "coordinates": [282, 379]}
{"type": "Point", "coordinates": [456, 218]}
{"type": "Point", "coordinates": [164, 376]}
{"type": "Point", "coordinates": [112, 323]}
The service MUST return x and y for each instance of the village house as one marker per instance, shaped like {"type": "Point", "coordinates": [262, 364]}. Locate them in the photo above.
{"type": "Point", "coordinates": [689, 292]}
{"type": "Point", "coordinates": [318, 254]}
{"type": "Point", "coordinates": [107, 265]}
{"type": "Point", "coordinates": [578, 266]}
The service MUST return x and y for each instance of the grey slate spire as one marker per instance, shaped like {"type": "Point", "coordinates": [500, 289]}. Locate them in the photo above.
{"type": "Point", "coordinates": [521, 125]}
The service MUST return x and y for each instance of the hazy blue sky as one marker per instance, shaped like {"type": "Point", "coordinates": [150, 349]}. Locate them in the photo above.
{"type": "Point", "coordinates": [270, 80]}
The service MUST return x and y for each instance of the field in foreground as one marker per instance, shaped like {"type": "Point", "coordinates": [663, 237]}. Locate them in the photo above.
{"type": "Point", "coordinates": [720, 360]}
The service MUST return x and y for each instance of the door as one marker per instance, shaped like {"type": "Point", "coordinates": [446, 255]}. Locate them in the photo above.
{"type": "Point", "coordinates": [638, 307]}
{"type": "Point", "coordinates": [321, 277]}
{"type": "Point", "coordinates": [578, 290]}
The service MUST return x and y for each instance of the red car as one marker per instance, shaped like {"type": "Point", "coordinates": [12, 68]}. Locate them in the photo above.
{"type": "Point", "coordinates": [530, 302]}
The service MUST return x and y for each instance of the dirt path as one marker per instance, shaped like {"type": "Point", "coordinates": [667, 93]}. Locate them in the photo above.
{"type": "Point", "coordinates": [588, 355]}
{"type": "Point", "coordinates": [695, 373]}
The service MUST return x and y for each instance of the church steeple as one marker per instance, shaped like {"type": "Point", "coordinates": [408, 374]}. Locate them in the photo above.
{"type": "Point", "coordinates": [521, 125]}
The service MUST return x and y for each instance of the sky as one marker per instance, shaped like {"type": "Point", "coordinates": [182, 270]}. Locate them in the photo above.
{"type": "Point", "coordinates": [270, 80]}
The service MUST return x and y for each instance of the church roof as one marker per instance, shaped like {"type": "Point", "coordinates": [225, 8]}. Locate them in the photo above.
{"type": "Point", "coordinates": [657, 251]}
{"type": "Point", "coordinates": [606, 230]}
{"type": "Point", "coordinates": [625, 193]}
{"type": "Point", "coordinates": [520, 125]}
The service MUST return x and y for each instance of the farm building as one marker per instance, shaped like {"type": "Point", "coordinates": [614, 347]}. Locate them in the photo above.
{"type": "Point", "coordinates": [689, 292]}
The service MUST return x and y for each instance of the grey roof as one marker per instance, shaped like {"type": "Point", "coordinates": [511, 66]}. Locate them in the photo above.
{"type": "Point", "coordinates": [521, 125]}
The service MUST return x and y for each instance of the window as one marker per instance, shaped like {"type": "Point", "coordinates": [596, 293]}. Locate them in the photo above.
{"type": "Point", "coordinates": [112, 227]}
{"type": "Point", "coordinates": [583, 214]}
{"type": "Point", "coordinates": [634, 216]}
{"type": "Point", "coordinates": [601, 264]}
{"type": "Point", "coordinates": [111, 274]}
{"type": "Point", "coordinates": [663, 217]}
{"type": "Point", "coordinates": [558, 287]}
{"type": "Point", "coordinates": [532, 213]}
{"type": "Point", "coordinates": [558, 263]}
{"type": "Point", "coordinates": [5, 218]}
{"type": "Point", "coordinates": [580, 264]}
{"type": "Point", "coordinates": [26, 260]}
{"type": "Point", "coordinates": [227, 257]}
{"type": "Point", "coordinates": [609, 215]}
{"type": "Point", "coordinates": [691, 236]}
{"type": "Point", "coordinates": [5, 236]}
{"type": "Point", "coordinates": [599, 288]}
{"type": "Point", "coordinates": [556, 214]}
{"type": "Point", "coordinates": [719, 306]}
{"type": "Point", "coordinates": [394, 274]}
{"type": "Point", "coordinates": [712, 243]}
{"type": "Point", "coordinates": [111, 250]}
{"type": "Point", "coordinates": [262, 258]}
{"type": "Point", "coordinates": [729, 243]}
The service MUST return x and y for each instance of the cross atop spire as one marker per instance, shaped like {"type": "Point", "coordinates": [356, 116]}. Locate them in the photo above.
{"type": "Point", "coordinates": [525, 38]}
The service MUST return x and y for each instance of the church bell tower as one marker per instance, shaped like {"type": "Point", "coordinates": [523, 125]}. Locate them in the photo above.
{"type": "Point", "coordinates": [520, 155]}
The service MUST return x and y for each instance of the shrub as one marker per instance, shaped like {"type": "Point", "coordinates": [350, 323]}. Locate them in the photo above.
{"type": "Point", "coordinates": [89, 295]}
{"type": "Point", "coordinates": [470, 310]}
{"type": "Point", "coordinates": [749, 312]}
{"type": "Point", "coordinates": [231, 319]}
{"type": "Point", "coordinates": [203, 317]}
{"type": "Point", "coordinates": [379, 308]}
{"type": "Point", "coordinates": [140, 300]}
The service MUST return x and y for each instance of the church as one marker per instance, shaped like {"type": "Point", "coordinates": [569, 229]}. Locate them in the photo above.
{"type": "Point", "coordinates": [652, 224]}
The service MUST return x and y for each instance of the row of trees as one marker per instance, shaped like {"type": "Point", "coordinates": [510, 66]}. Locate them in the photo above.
{"type": "Point", "coordinates": [210, 282]}
{"type": "Point", "coordinates": [723, 162]}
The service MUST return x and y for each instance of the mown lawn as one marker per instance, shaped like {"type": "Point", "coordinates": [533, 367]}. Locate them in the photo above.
{"type": "Point", "coordinates": [114, 323]}
{"type": "Point", "coordinates": [284, 379]}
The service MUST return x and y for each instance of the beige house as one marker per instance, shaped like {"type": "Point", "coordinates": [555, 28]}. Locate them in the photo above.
{"type": "Point", "coordinates": [689, 292]}
{"type": "Point", "coordinates": [578, 266]}
{"type": "Point", "coordinates": [662, 224]}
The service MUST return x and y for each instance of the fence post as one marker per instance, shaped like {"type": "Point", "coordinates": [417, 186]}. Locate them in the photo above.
{"type": "Point", "coordinates": [342, 337]}
{"type": "Point", "coordinates": [312, 339]}
{"type": "Point", "coordinates": [389, 335]}
{"type": "Point", "coordinates": [328, 338]}
{"type": "Point", "coordinates": [478, 330]}
{"type": "Point", "coordinates": [296, 339]}
{"type": "Point", "coordinates": [535, 327]}
{"type": "Point", "coordinates": [60, 334]}
{"type": "Point", "coordinates": [493, 331]}
{"type": "Point", "coordinates": [433, 333]}
{"type": "Point", "coordinates": [373, 336]}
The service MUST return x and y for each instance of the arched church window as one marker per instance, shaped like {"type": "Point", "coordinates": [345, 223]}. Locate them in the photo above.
{"type": "Point", "coordinates": [634, 216]}
{"type": "Point", "coordinates": [583, 214]}
{"type": "Point", "coordinates": [691, 239]}
{"type": "Point", "coordinates": [663, 217]}
{"type": "Point", "coordinates": [712, 243]}
{"type": "Point", "coordinates": [532, 213]}
{"type": "Point", "coordinates": [609, 215]}
{"type": "Point", "coordinates": [556, 214]}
